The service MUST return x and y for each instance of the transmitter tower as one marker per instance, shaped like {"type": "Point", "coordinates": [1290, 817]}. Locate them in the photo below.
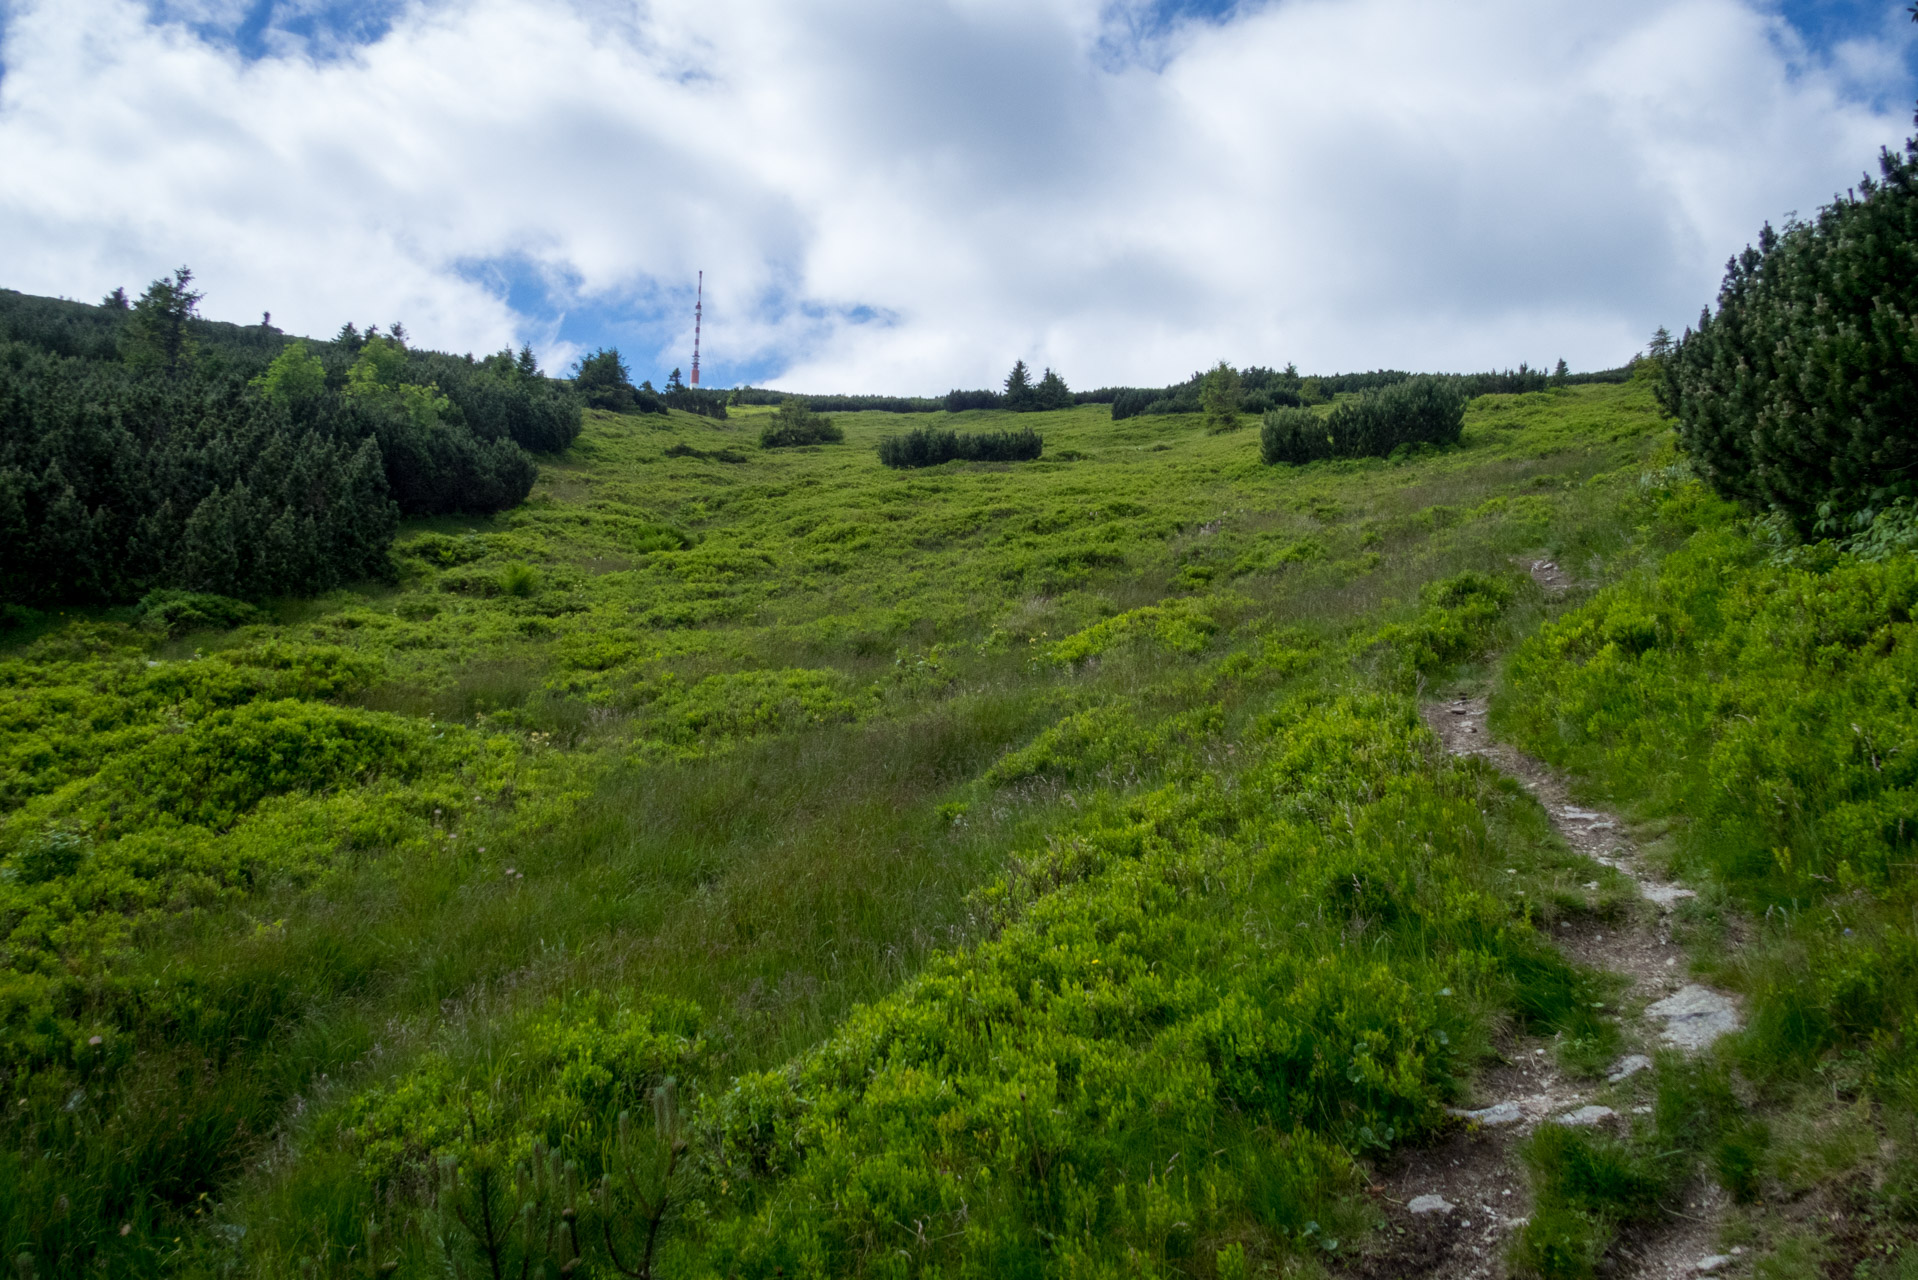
{"type": "Point", "coordinates": [699, 308]}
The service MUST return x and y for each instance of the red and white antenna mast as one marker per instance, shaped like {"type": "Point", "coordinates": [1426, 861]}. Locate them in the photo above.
{"type": "Point", "coordinates": [698, 308]}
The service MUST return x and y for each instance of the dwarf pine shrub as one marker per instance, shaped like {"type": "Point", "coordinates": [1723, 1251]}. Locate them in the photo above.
{"type": "Point", "coordinates": [1801, 393]}
{"type": "Point", "coordinates": [930, 446]}
{"type": "Point", "coordinates": [795, 424]}
{"type": "Point", "coordinates": [1418, 411]}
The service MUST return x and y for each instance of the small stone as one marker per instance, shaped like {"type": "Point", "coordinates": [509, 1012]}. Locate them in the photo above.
{"type": "Point", "coordinates": [1585, 1117]}
{"type": "Point", "coordinates": [1591, 884]}
{"type": "Point", "coordinates": [1628, 1067]}
{"type": "Point", "coordinates": [1664, 895]}
{"type": "Point", "coordinates": [1491, 1117]}
{"type": "Point", "coordinates": [1713, 1263]}
{"type": "Point", "coordinates": [1696, 1016]}
{"type": "Point", "coordinates": [1430, 1204]}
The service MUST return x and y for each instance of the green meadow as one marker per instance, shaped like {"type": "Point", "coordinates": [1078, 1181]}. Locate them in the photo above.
{"type": "Point", "coordinates": [741, 862]}
{"type": "Point", "coordinates": [728, 765]}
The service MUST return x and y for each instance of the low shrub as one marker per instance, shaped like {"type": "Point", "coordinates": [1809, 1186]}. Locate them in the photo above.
{"type": "Point", "coordinates": [580, 1063]}
{"type": "Point", "coordinates": [795, 424]}
{"type": "Point", "coordinates": [930, 446]}
{"type": "Point", "coordinates": [1418, 411]}
{"type": "Point", "coordinates": [172, 612]}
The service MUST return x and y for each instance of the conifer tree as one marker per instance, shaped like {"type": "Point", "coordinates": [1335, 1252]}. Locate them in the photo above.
{"type": "Point", "coordinates": [1220, 393]}
{"type": "Point", "coordinates": [1052, 392]}
{"type": "Point", "coordinates": [1801, 393]}
{"type": "Point", "coordinates": [1019, 393]}
{"type": "Point", "coordinates": [156, 334]}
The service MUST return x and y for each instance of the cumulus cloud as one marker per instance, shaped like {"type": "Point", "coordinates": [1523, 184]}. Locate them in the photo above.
{"type": "Point", "coordinates": [904, 198]}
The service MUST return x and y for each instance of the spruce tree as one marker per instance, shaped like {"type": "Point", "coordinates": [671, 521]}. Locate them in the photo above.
{"type": "Point", "coordinates": [1052, 392]}
{"type": "Point", "coordinates": [156, 335]}
{"type": "Point", "coordinates": [1220, 392]}
{"type": "Point", "coordinates": [1019, 393]}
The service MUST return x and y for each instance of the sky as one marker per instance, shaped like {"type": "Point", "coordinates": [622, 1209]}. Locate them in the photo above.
{"type": "Point", "coordinates": [905, 197]}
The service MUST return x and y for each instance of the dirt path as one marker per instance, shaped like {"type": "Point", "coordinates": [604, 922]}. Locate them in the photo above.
{"type": "Point", "coordinates": [1454, 1206]}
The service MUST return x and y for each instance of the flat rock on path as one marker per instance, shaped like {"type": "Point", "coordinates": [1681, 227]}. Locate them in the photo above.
{"type": "Point", "coordinates": [1695, 1017]}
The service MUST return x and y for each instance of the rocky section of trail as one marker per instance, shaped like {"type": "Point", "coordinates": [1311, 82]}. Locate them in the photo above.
{"type": "Point", "coordinates": [1453, 1207]}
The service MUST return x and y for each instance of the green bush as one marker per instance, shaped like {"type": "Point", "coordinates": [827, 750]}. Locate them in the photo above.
{"type": "Point", "coordinates": [794, 424]}
{"type": "Point", "coordinates": [1801, 393]}
{"type": "Point", "coordinates": [1178, 626]}
{"type": "Point", "coordinates": [1418, 411]}
{"type": "Point", "coordinates": [172, 612]}
{"type": "Point", "coordinates": [1294, 437]}
{"type": "Point", "coordinates": [929, 446]}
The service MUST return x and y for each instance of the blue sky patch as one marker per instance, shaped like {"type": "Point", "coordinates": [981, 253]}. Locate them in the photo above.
{"type": "Point", "coordinates": [255, 29]}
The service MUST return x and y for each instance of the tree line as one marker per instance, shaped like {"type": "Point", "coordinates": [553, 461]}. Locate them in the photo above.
{"type": "Point", "coordinates": [604, 382]}
{"type": "Point", "coordinates": [143, 447]}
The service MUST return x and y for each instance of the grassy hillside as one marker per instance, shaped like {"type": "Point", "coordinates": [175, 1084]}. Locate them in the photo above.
{"type": "Point", "coordinates": [1016, 868]}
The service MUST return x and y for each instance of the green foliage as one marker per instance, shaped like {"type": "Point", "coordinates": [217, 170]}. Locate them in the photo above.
{"type": "Point", "coordinates": [156, 337]}
{"type": "Point", "coordinates": [1019, 397]}
{"type": "Point", "coordinates": [242, 474]}
{"type": "Point", "coordinates": [1178, 627]}
{"type": "Point", "coordinates": [1051, 393]}
{"type": "Point", "coordinates": [227, 763]}
{"type": "Point", "coordinates": [795, 424]}
{"type": "Point", "coordinates": [603, 382]}
{"type": "Point", "coordinates": [293, 379]}
{"type": "Point", "coordinates": [1767, 701]}
{"type": "Point", "coordinates": [929, 446]}
{"type": "Point", "coordinates": [1422, 411]}
{"type": "Point", "coordinates": [1586, 1182]}
{"type": "Point", "coordinates": [1294, 437]}
{"type": "Point", "coordinates": [1459, 622]}
{"type": "Point", "coordinates": [520, 580]}
{"type": "Point", "coordinates": [1221, 393]}
{"type": "Point", "coordinates": [172, 613]}
{"type": "Point", "coordinates": [1799, 394]}
{"type": "Point", "coordinates": [577, 1065]}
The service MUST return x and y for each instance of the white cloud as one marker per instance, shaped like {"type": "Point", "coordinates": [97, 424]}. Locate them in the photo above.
{"type": "Point", "coordinates": [1344, 183]}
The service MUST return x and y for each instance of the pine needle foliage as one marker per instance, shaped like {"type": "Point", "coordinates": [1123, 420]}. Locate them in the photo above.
{"type": "Point", "coordinates": [142, 448]}
{"type": "Point", "coordinates": [930, 446]}
{"type": "Point", "coordinates": [1800, 395]}
{"type": "Point", "coordinates": [1418, 411]}
{"type": "Point", "coordinates": [795, 424]}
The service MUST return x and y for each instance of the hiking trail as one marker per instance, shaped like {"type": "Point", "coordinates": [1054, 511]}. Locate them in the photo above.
{"type": "Point", "coordinates": [1454, 1206]}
